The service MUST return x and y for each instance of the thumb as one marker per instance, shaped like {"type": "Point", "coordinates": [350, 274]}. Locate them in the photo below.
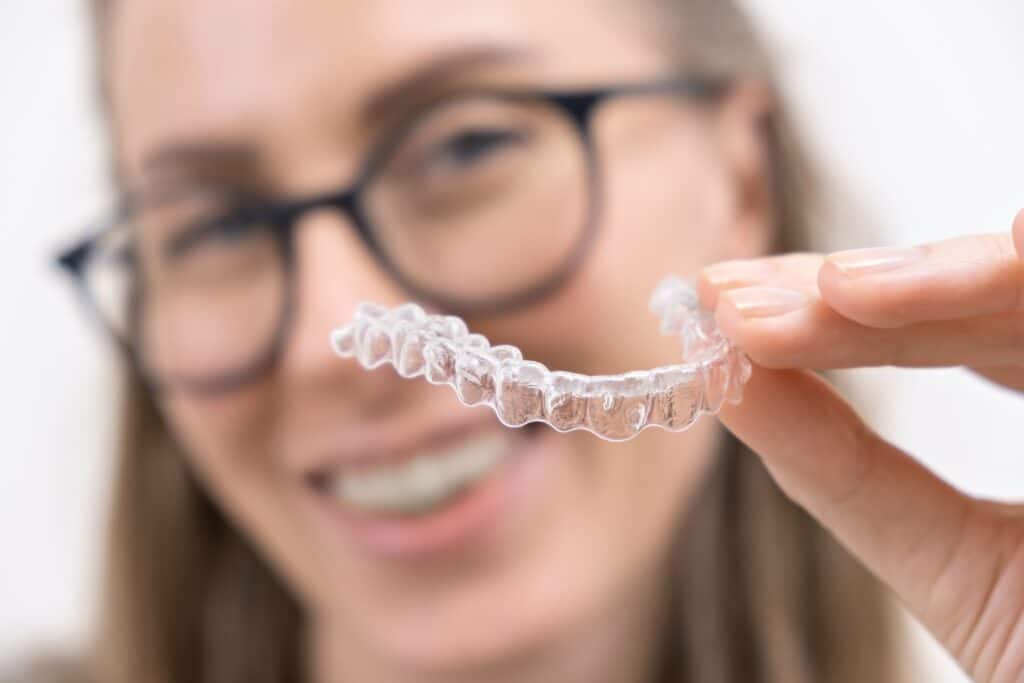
{"type": "Point", "coordinates": [903, 522]}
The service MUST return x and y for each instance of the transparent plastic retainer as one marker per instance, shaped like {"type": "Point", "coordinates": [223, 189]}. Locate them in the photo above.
{"type": "Point", "coordinates": [614, 407]}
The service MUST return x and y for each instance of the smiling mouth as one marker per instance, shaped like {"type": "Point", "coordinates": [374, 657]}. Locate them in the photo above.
{"type": "Point", "coordinates": [425, 480]}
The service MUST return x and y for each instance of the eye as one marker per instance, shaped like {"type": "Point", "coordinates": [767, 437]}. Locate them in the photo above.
{"type": "Point", "coordinates": [471, 147]}
{"type": "Point", "coordinates": [225, 229]}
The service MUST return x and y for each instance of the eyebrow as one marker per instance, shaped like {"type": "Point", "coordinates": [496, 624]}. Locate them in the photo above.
{"type": "Point", "coordinates": [422, 83]}
{"type": "Point", "coordinates": [211, 154]}
{"type": "Point", "coordinates": [223, 157]}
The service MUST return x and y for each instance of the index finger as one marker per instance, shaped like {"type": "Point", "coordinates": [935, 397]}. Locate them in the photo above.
{"type": "Point", "coordinates": [964, 277]}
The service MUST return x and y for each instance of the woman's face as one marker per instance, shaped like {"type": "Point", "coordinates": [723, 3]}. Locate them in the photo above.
{"type": "Point", "coordinates": [566, 530]}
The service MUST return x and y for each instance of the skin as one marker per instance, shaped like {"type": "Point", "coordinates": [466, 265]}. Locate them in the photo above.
{"type": "Point", "coordinates": [584, 564]}
{"type": "Point", "coordinates": [956, 561]}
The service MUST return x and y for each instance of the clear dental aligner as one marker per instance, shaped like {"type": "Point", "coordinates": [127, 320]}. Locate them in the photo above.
{"type": "Point", "coordinates": [614, 407]}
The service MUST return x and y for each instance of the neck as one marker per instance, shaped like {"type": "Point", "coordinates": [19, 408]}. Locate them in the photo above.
{"type": "Point", "coordinates": [625, 644]}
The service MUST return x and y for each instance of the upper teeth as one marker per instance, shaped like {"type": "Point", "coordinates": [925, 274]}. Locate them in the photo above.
{"type": "Point", "coordinates": [426, 479]}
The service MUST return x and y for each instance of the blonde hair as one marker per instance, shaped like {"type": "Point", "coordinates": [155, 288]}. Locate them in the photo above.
{"type": "Point", "coordinates": [763, 594]}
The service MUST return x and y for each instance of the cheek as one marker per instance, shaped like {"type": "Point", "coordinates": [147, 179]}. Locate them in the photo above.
{"type": "Point", "coordinates": [664, 209]}
{"type": "Point", "coordinates": [667, 198]}
{"type": "Point", "coordinates": [229, 442]}
{"type": "Point", "coordinates": [649, 481]}
{"type": "Point", "coordinates": [224, 433]}
{"type": "Point", "coordinates": [226, 442]}
{"type": "Point", "coordinates": [649, 228]}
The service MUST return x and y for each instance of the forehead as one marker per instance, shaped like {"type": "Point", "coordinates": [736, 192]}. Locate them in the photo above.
{"type": "Point", "coordinates": [194, 68]}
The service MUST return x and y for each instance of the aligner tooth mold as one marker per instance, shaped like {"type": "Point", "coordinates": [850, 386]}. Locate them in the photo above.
{"type": "Point", "coordinates": [614, 407]}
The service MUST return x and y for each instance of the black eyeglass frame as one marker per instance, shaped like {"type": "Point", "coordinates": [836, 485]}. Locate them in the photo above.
{"type": "Point", "coordinates": [282, 215]}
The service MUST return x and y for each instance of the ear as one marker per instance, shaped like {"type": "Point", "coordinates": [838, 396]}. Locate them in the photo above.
{"type": "Point", "coordinates": [745, 157]}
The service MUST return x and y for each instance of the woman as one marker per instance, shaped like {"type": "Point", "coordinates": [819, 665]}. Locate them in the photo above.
{"type": "Point", "coordinates": [535, 167]}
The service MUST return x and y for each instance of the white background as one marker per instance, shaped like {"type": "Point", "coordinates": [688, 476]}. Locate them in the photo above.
{"type": "Point", "coordinates": [916, 108]}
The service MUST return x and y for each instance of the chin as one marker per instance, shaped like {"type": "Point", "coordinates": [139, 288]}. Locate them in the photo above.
{"type": "Point", "coordinates": [474, 632]}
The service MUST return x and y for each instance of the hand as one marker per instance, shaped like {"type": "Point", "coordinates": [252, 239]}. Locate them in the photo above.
{"type": "Point", "coordinates": [957, 562]}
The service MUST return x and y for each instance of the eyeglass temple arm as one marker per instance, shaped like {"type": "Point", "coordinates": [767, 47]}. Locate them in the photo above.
{"type": "Point", "coordinates": [72, 259]}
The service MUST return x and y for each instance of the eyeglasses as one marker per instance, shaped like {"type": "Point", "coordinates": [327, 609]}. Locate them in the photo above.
{"type": "Point", "coordinates": [481, 203]}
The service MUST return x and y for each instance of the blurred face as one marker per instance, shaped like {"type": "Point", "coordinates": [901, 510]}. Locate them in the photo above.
{"type": "Point", "coordinates": [560, 531]}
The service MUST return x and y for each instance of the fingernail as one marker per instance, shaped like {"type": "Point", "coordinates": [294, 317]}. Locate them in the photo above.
{"type": "Point", "coordinates": [859, 262]}
{"type": "Point", "coordinates": [765, 302]}
{"type": "Point", "coordinates": [739, 273]}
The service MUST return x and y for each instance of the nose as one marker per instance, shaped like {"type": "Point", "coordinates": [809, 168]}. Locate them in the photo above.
{"type": "Point", "coordinates": [334, 271]}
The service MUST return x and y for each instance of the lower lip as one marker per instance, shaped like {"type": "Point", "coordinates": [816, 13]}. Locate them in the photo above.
{"type": "Point", "coordinates": [454, 524]}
